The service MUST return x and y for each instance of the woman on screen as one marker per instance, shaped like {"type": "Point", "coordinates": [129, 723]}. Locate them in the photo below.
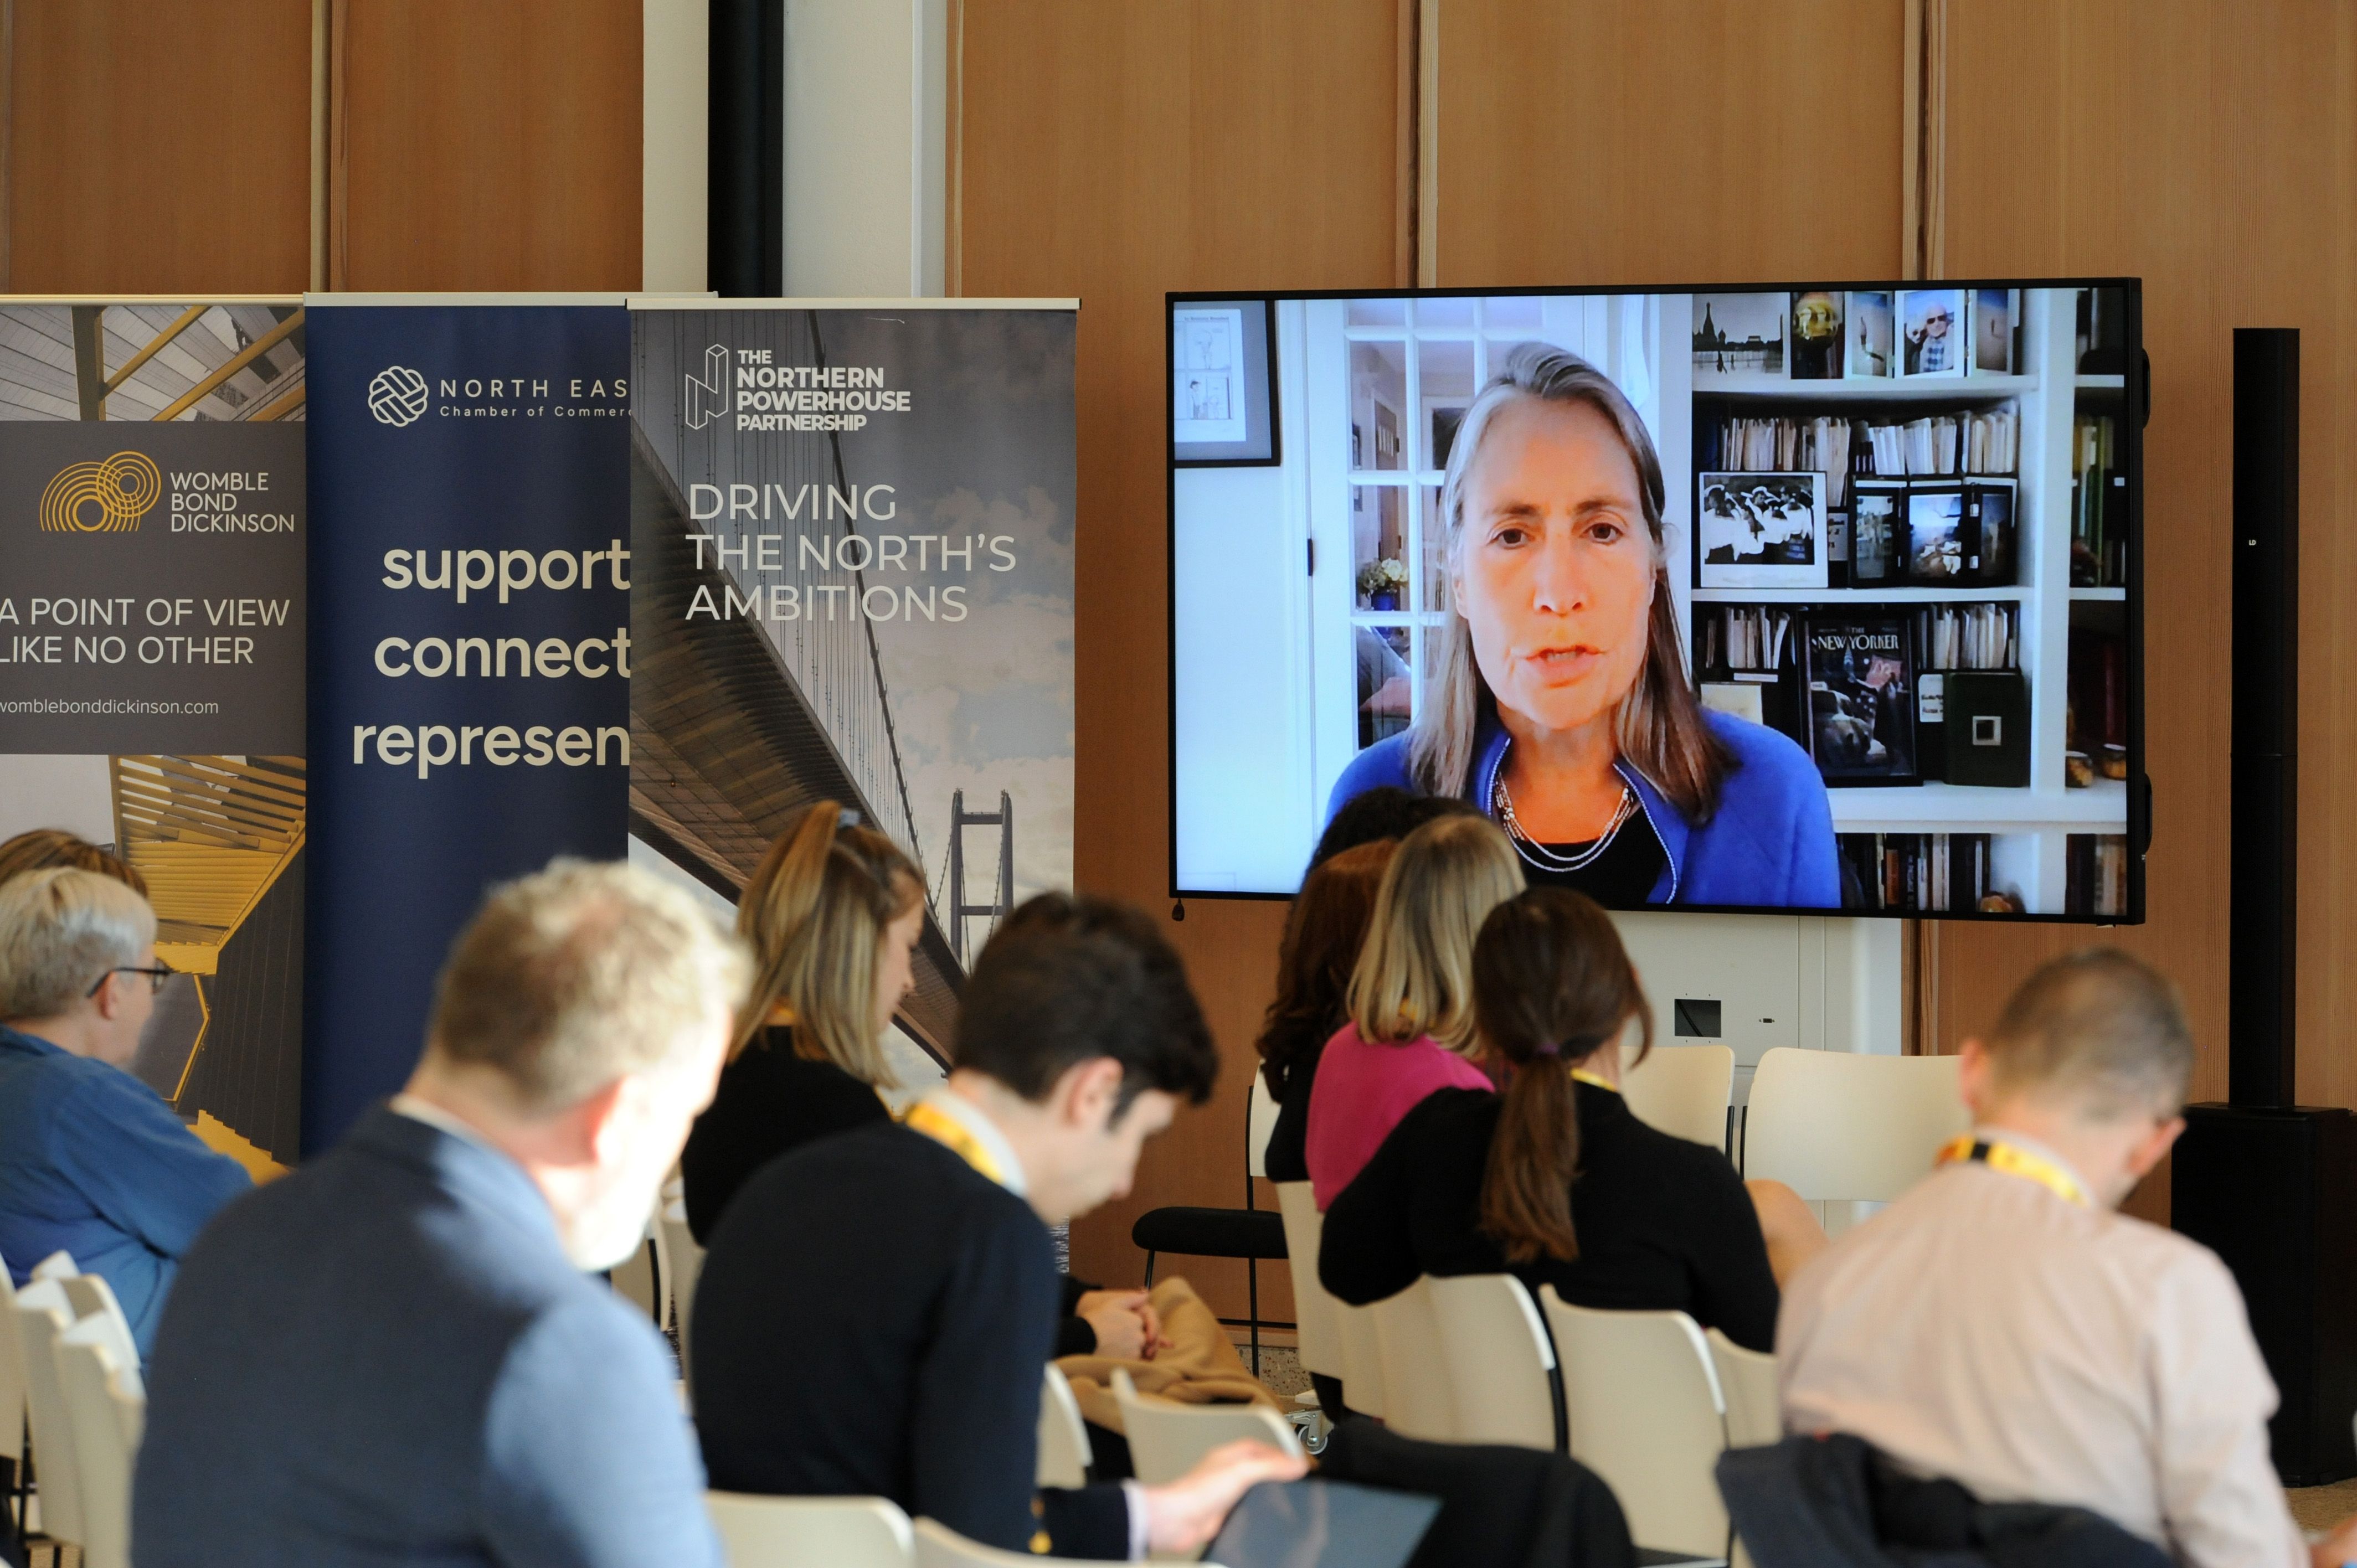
{"type": "Point", "coordinates": [1560, 705]}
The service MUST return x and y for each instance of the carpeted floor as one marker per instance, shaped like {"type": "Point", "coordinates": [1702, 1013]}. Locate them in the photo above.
{"type": "Point", "coordinates": [2321, 1508]}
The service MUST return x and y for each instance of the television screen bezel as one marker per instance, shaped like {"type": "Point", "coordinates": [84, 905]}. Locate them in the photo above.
{"type": "Point", "coordinates": [2135, 399]}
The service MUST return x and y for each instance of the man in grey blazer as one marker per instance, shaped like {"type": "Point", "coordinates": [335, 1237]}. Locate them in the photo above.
{"type": "Point", "coordinates": [392, 1356]}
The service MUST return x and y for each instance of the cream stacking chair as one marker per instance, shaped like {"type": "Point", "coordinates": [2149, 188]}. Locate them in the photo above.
{"type": "Point", "coordinates": [1167, 1439]}
{"type": "Point", "coordinates": [106, 1414]}
{"type": "Point", "coordinates": [1498, 1362]}
{"type": "Point", "coordinates": [1065, 1452]}
{"type": "Point", "coordinates": [1834, 1125]}
{"type": "Point", "coordinates": [811, 1532]}
{"type": "Point", "coordinates": [1682, 1089]}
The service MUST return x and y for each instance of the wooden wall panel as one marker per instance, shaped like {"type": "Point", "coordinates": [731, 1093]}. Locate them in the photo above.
{"type": "Point", "coordinates": [1114, 152]}
{"type": "Point", "coordinates": [1668, 141]}
{"type": "Point", "coordinates": [2209, 147]}
{"type": "Point", "coordinates": [161, 149]}
{"type": "Point", "coordinates": [486, 147]}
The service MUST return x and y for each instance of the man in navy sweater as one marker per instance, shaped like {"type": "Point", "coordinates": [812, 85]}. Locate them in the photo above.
{"type": "Point", "coordinates": [876, 1308]}
{"type": "Point", "coordinates": [393, 1356]}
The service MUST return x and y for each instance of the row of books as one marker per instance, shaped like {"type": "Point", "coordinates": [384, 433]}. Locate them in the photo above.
{"type": "Point", "coordinates": [1934, 445]}
{"type": "Point", "coordinates": [1920, 874]}
{"type": "Point", "coordinates": [1884, 696]}
{"type": "Point", "coordinates": [2099, 504]}
{"type": "Point", "coordinates": [2095, 874]}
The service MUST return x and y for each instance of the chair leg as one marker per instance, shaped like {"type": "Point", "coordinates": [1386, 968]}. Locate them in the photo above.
{"type": "Point", "coordinates": [1252, 1277]}
{"type": "Point", "coordinates": [1149, 1271]}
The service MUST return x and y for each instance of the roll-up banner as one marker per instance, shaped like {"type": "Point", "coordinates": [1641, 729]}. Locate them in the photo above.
{"type": "Point", "coordinates": [469, 689]}
{"type": "Point", "coordinates": [852, 527]}
{"type": "Point", "coordinates": [152, 623]}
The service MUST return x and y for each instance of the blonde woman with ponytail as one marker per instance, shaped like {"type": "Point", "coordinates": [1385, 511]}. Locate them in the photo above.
{"type": "Point", "coordinates": [1553, 1178]}
{"type": "Point", "coordinates": [1410, 996]}
{"type": "Point", "coordinates": [831, 915]}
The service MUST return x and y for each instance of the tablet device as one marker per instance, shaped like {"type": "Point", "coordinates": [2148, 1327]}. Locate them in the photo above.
{"type": "Point", "coordinates": [1322, 1524]}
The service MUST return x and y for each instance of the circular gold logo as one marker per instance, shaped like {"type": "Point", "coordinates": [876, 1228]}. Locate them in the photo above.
{"type": "Point", "coordinates": [107, 496]}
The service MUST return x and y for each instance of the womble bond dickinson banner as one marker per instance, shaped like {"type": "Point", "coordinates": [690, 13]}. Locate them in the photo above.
{"type": "Point", "coordinates": [852, 528]}
{"type": "Point", "coordinates": [152, 620]}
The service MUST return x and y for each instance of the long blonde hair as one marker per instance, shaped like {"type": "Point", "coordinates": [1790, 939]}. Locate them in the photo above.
{"type": "Point", "coordinates": [1414, 976]}
{"type": "Point", "coordinates": [814, 913]}
{"type": "Point", "coordinates": [1660, 726]}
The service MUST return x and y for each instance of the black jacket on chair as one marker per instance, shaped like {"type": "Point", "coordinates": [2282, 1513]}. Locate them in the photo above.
{"type": "Point", "coordinates": [873, 1320]}
{"type": "Point", "coordinates": [1499, 1507]}
{"type": "Point", "coordinates": [1835, 1502]}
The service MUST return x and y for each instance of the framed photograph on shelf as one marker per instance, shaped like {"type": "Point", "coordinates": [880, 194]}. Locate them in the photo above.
{"type": "Point", "coordinates": [1860, 686]}
{"type": "Point", "coordinates": [1997, 323]}
{"type": "Point", "coordinates": [1989, 512]}
{"type": "Point", "coordinates": [1817, 341]}
{"type": "Point", "coordinates": [1760, 531]}
{"type": "Point", "coordinates": [1877, 533]}
{"type": "Point", "coordinates": [1737, 333]}
{"type": "Point", "coordinates": [1224, 383]}
{"type": "Point", "coordinates": [1938, 553]}
{"type": "Point", "coordinates": [1869, 333]}
{"type": "Point", "coordinates": [1933, 336]}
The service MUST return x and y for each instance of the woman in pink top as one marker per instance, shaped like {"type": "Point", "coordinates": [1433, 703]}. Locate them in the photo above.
{"type": "Point", "coordinates": [1411, 1028]}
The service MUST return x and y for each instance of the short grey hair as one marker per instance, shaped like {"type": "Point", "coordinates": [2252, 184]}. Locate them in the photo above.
{"type": "Point", "coordinates": [581, 974]}
{"type": "Point", "coordinates": [60, 930]}
{"type": "Point", "coordinates": [2100, 1027]}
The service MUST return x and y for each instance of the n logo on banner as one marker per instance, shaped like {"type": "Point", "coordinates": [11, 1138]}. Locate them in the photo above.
{"type": "Point", "coordinates": [703, 400]}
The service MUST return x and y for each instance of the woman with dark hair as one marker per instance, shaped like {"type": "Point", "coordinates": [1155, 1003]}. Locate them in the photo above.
{"type": "Point", "coordinates": [1323, 933]}
{"type": "Point", "coordinates": [1559, 705]}
{"type": "Point", "coordinates": [1553, 1178]}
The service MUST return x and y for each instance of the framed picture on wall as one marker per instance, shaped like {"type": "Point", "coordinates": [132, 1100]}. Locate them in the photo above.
{"type": "Point", "coordinates": [1224, 383]}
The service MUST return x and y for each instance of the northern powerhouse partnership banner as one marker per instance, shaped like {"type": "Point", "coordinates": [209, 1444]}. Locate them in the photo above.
{"type": "Point", "coordinates": [471, 687]}
{"type": "Point", "coordinates": [152, 623]}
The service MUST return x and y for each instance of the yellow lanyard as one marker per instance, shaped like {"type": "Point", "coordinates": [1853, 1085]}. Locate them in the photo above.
{"type": "Point", "coordinates": [2016, 1162]}
{"type": "Point", "coordinates": [947, 1131]}
{"type": "Point", "coordinates": [1581, 1075]}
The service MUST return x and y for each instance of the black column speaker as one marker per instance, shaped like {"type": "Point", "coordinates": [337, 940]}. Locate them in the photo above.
{"type": "Point", "coordinates": [745, 188]}
{"type": "Point", "coordinates": [2266, 1184]}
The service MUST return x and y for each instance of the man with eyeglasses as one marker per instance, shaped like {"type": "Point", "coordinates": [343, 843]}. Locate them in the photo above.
{"type": "Point", "coordinates": [92, 1164]}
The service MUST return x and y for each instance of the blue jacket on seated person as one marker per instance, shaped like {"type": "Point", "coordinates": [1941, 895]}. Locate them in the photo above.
{"type": "Point", "coordinates": [387, 1358]}
{"type": "Point", "coordinates": [94, 1165]}
{"type": "Point", "coordinates": [1768, 845]}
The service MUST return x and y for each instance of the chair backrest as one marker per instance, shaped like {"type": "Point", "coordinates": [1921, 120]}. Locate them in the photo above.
{"type": "Point", "coordinates": [1418, 1401]}
{"type": "Point", "coordinates": [1500, 1361]}
{"type": "Point", "coordinates": [1167, 1439]}
{"type": "Point", "coordinates": [681, 1261]}
{"type": "Point", "coordinates": [1747, 1381]}
{"type": "Point", "coordinates": [1682, 1090]}
{"type": "Point", "coordinates": [1317, 1313]}
{"type": "Point", "coordinates": [42, 1319]}
{"type": "Point", "coordinates": [939, 1546]}
{"type": "Point", "coordinates": [106, 1417]}
{"type": "Point", "coordinates": [811, 1532]}
{"type": "Point", "coordinates": [1260, 1121]}
{"type": "Point", "coordinates": [1065, 1454]}
{"type": "Point", "coordinates": [1646, 1415]}
{"type": "Point", "coordinates": [1833, 1125]}
{"type": "Point", "coordinates": [92, 1301]}
{"type": "Point", "coordinates": [12, 1372]}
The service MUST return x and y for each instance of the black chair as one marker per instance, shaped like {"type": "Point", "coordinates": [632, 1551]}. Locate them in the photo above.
{"type": "Point", "coordinates": [1251, 1234]}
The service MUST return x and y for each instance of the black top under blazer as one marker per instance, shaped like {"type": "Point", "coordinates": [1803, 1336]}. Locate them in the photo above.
{"type": "Point", "coordinates": [770, 1102]}
{"type": "Point", "coordinates": [1663, 1224]}
{"type": "Point", "coordinates": [872, 1320]}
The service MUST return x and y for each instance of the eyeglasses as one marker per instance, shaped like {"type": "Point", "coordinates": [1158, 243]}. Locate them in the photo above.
{"type": "Point", "coordinates": [155, 976]}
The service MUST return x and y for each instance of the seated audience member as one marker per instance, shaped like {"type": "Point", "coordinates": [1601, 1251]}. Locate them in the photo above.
{"type": "Point", "coordinates": [394, 1354]}
{"type": "Point", "coordinates": [1386, 811]}
{"type": "Point", "coordinates": [1323, 933]}
{"type": "Point", "coordinates": [876, 1310]}
{"type": "Point", "coordinates": [1411, 997]}
{"type": "Point", "coordinates": [43, 849]}
{"type": "Point", "coordinates": [91, 1162]}
{"type": "Point", "coordinates": [2000, 1327]}
{"type": "Point", "coordinates": [1553, 1178]}
{"type": "Point", "coordinates": [831, 914]}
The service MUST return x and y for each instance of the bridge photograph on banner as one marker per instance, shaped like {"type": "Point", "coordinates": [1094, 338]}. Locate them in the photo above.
{"type": "Point", "coordinates": [152, 623]}
{"type": "Point", "coordinates": [852, 532]}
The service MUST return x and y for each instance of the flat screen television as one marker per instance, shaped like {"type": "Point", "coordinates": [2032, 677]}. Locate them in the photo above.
{"type": "Point", "coordinates": [1823, 597]}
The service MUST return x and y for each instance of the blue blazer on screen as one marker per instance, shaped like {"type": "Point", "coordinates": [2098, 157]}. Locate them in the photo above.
{"type": "Point", "coordinates": [1769, 844]}
{"type": "Point", "coordinates": [385, 1358]}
